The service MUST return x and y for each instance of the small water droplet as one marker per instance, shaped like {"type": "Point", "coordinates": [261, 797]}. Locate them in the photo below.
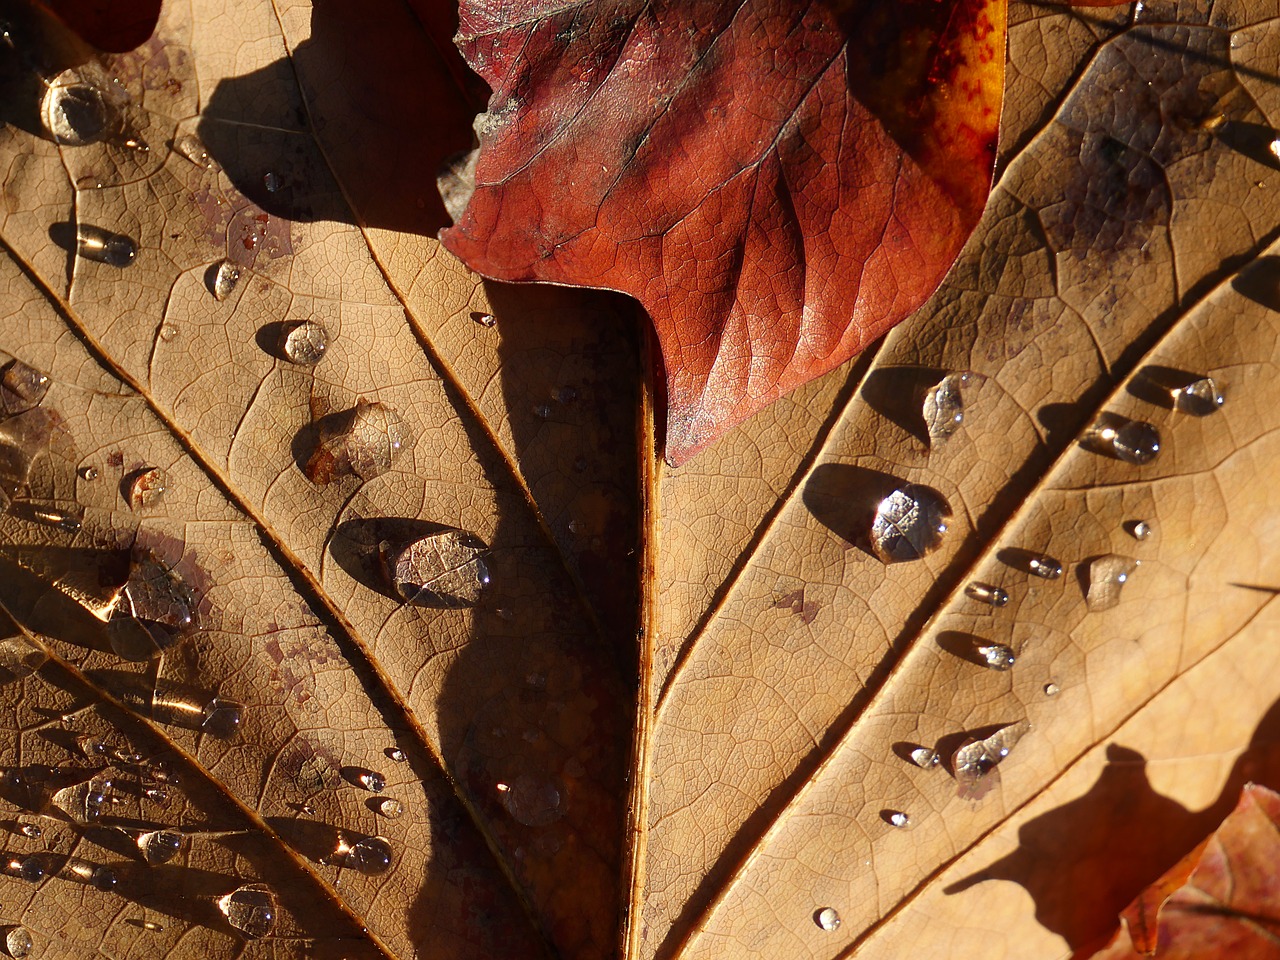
{"type": "Point", "coordinates": [250, 909]}
{"type": "Point", "coordinates": [271, 180]}
{"type": "Point", "coordinates": [485, 319]}
{"type": "Point", "coordinates": [943, 407]}
{"type": "Point", "coordinates": [827, 918]}
{"type": "Point", "coordinates": [18, 942]}
{"type": "Point", "coordinates": [132, 140]}
{"type": "Point", "coordinates": [50, 516]}
{"type": "Point", "coordinates": [1107, 575]}
{"type": "Point", "coordinates": [1138, 529]}
{"type": "Point", "coordinates": [147, 488]}
{"type": "Point", "coordinates": [986, 593]}
{"type": "Point", "coordinates": [76, 113]}
{"type": "Point", "coordinates": [22, 387]}
{"type": "Point", "coordinates": [1199, 398]}
{"type": "Point", "coordinates": [542, 411]}
{"type": "Point", "coordinates": [151, 926]}
{"type": "Point", "coordinates": [1133, 441]}
{"type": "Point", "coordinates": [88, 872]}
{"type": "Point", "coordinates": [221, 718]}
{"type": "Point", "coordinates": [190, 148]}
{"type": "Point", "coordinates": [160, 846]}
{"type": "Point", "coordinates": [391, 809]}
{"type": "Point", "coordinates": [1044, 567]}
{"type": "Point", "coordinates": [925, 759]}
{"type": "Point", "coordinates": [531, 800]}
{"type": "Point", "coordinates": [103, 246]}
{"type": "Point", "coordinates": [368, 779]}
{"type": "Point", "coordinates": [88, 473]}
{"type": "Point", "coordinates": [997, 656]}
{"type": "Point", "coordinates": [168, 332]}
{"type": "Point", "coordinates": [396, 755]}
{"type": "Point", "coordinates": [304, 342]}
{"type": "Point", "coordinates": [368, 855]}
{"type": "Point", "coordinates": [225, 279]}
{"type": "Point", "coordinates": [897, 819]}
{"type": "Point", "coordinates": [156, 794]}
{"type": "Point", "coordinates": [974, 761]}
{"type": "Point", "coordinates": [445, 569]}
{"type": "Point", "coordinates": [363, 441]}
{"type": "Point", "coordinates": [1051, 689]}
{"type": "Point", "coordinates": [909, 524]}
{"type": "Point", "coordinates": [32, 830]}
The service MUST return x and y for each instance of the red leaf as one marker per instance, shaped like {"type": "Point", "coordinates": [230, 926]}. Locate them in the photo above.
{"type": "Point", "coordinates": [779, 183]}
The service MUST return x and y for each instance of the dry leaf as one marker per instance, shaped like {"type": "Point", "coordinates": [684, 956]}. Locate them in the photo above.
{"type": "Point", "coordinates": [685, 723]}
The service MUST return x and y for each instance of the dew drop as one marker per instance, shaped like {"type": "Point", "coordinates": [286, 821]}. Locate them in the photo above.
{"type": "Point", "coordinates": [147, 488]}
{"type": "Point", "coordinates": [221, 718]}
{"type": "Point", "coordinates": [997, 656]}
{"type": "Point", "coordinates": [88, 473]}
{"type": "Point", "coordinates": [1044, 567]}
{"type": "Point", "coordinates": [153, 610]}
{"type": "Point", "coordinates": [396, 755]}
{"type": "Point", "coordinates": [531, 800]}
{"type": "Point", "coordinates": [445, 569]}
{"type": "Point", "coordinates": [485, 319]}
{"type": "Point", "coordinates": [168, 332]}
{"type": "Point", "coordinates": [31, 830]}
{"type": "Point", "coordinates": [897, 819]}
{"type": "Point", "coordinates": [1199, 398]}
{"type": "Point", "coordinates": [368, 779]}
{"type": "Point", "coordinates": [827, 919]}
{"type": "Point", "coordinates": [1133, 441]}
{"type": "Point", "coordinates": [271, 180]}
{"type": "Point", "coordinates": [160, 846]}
{"type": "Point", "coordinates": [19, 658]}
{"type": "Point", "coordinates": [31, 869]}
{"type": "Point", "coordinates": [974, 761]}
{"type": "Point", "coordinates": [367, 855]}
{"type": "Point", "coordinates": [103, 246]}
{"type": "Point", "coordinates": [564, 395]}
{"type": "Point", "coordinates": [83, 802]}
{"type": "Point", "coordinates": [21, 387]}
{"type": "Point", "coordinates": [190, 707]}
{"type": "Point", "coordinates": [1107, 576]}
{"type": "Point", "coordinates": [250, 909]}
{"type": "Point", "coordinates": [542, 411]}
{"type": "Point", "coordinates": [391, 809]}
{"type": "Point", "coordinates": [944, 407]}
{"type": "Point", "coordinates": [18, 942]}
{"type": "Point", "coordinates": [88, 872]}
{"type": "Point", "coordinates": [986, 593]}
{"type": "Point", "coordinates": [1138, 529]}
{"type": "Point", "coordinates": [909, 524]}
{"type": "Point", "coordinates": [925, 759]}
{"type": "Point", "coordinates": [363, 441]}
{"type": "Point", "coordinates": [225, 279]}
{"type": "Point", "coordinates": [23, 438]}
{"type": "Point", "coordinates": [151, 926]}
{"type": "Point", "coordinates": [190, 148]}
{"type": "Point", "coordinates": [76, 113]}
{"type": "Point", "coordinates": [304, 342]}
{"type": "Point", "coordinates": [1051, 689]}
{"type": "Point", "coordinates": [156, 794]}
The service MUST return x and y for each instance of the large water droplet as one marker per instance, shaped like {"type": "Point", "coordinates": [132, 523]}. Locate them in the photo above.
{"type": "Point", "coordinates": [19, 658]}
{"type": "Point", "coordinates": [88, 872]}
{"type": "Point", "coordinates": [250, 909]}
{"type": "Point", "coordinates": [304, 342]}
{"type": "Point", "coordinates": [225, 279]}
{"type": "Point", "coordinates": [1199, 398]}
{"type": "Point", "coordinates": [18, 942]}
{"type": "Point", "coordinates": [996, 656]}
{"type": "Point", "coordinates": [21, 387]}
{"type": "Point", "coordinates": [1133, 441]}
{"type": "Point", "coordinates": [975, 760]}
{"type": "Point", "coordinates": [944, 407]}
{"type": "Point", "coordinates": [103, 246]}
{"type": "Point", "coordinates": [909, 523]}
{"type": "Point", "coordinates": [147, 488]}
{"type": "Point", "coordinates": [153, 610]}
{"type": "Point", "coordinates": [1107, 575]}
{"type": "Point", "coordinates": [195, 709]}
{"type": "Point", "coordinates": [986, 593]}
{"type": "Point", "coordinates": [370, 780]}
{"type": "Point", "coordinates": [23, 439]}
{"type": "Point", "coordinates": [368, 855]}
{"type": "Point", "coordinates": [31, 869]}
{"type": "Point", "coordinates": [827, 919]}
{"type": "Point", "coordinates": [190, 148]}
{"type": "Point", "coordinates": [160, 846]}
{"type": "Point", "coordinates": [445, 569]}
{"type": "Point", "coordinates": [532, 800]}
{"type": "Point", "coordinates": [364, 441]}
{"type": "Point", "coordinates": [83, 802]}
{"type": "Point", "coordinates": [74, 112]}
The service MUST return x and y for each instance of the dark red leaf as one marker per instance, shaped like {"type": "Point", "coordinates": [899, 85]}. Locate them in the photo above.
{"type": "Point", "coordinates": [111, 25]}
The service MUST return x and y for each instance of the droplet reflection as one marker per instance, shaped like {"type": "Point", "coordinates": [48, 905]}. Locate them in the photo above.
{"type": "Point", "coordinates": [909, 524]}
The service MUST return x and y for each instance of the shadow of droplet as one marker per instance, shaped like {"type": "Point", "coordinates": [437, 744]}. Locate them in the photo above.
{"type": "Point", "coordinates": [1260, 282]}
{"type": "Point", "coordinates": [964, 645]}
{"type": "Point", "coordinates": [844, 499]}
{"type": "Point", "coordinates": [1257, 141]}
{"type": "Point", "coordinates": [1157, 384]}
{"type": "Point", "coordinates": [897, 394]}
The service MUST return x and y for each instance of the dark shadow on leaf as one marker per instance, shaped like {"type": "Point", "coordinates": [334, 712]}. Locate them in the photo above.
{"type": "Point", "coordinates": [1155, 384]}
{"type": "Point", "coordinates": [844, 499]}
{"type": "Point", "coordinates": [1260, 282]}
{"type": "Point", "coordinates": [963, 645]}
{"type": "Point", "coordinates": [1255, 140]}
{"type": "Point", "coordinates": [897, 394]}
{"type": "Point", "coordinates": [354, 546]}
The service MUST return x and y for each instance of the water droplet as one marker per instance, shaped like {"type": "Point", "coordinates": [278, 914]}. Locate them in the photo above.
{"type": "Point", "coordinates": [304, 342]}
{"type": "Point", "coordinates": [221, 718]}
{"type": "Point", "coordinates": [103, 246]}
{"type": "Point", "coordinates": [484, 319]}
{"type": "Point", "coordinates": [975, 760]}
{"type": "Point", "coordinates": [827, 918]}
{"type": "Point", "coordinates": [151, 926]}
{"type": "Point", "coordinates": [76, 113]}
{"type": "Point", "coordinates": [21, 387]}
{"type": "Point", "coordinates": [997, 656]}
{"type": "Point", "coordinates": [156, 794]}
{"type": "Point", "coordinates": [1138, 529]}
{"type": "Point", "coordinates": [1199, 398]}
{"type": "Point", "coordinates": [271, 181]}
{"type": "Point", "coordinates": [391, 809]}
{"type": "Point", "coordinates": [225, 279]}
{"type": "Point", "coordinates": [83, 802]}
{"type": "Point", "coordinates": [909, 524]}
{"type": "Point", "coordinates": [1044, 567]}
{"type": "Point", "coordinates": [147, 488]}
{"type": "Point", "coordinates": [542, 411]}
{"type": "Point", "coordinates": [531, 800]}
{"type": "Point", "coordinates": [32, 830]}
{"type": "Point", "coordinates": [19, 658]}
{"type": "Point", "coordinates": [1107, 575]}
{"type": "Point", "coordinates": [897, 819]}
{"type": "Point", "coordinates": [86, 871]}
{"type": "Point", "coordinates": [50, 516]}
{"type": "Point", "coordinates": [564, 395]}
{"type": "Point", "coordinates": [160, 846]}
{"type": "Point", "coordinates": [23, 438]}
{"type": "Point", "coordinates": [368, 855]}
{"type": "Point", "coordinates": [90, 182]}
{"type": "Point", "coordinates": [250, 909]}
{"type": "Point", "coordinates": [167, 332]}
{"type": "Point", "coordinates": [153, 609]}
{"type": "Point", "coordinates": [396, 754]}
{"type": "Point", "coordinates": [31, 869]}
{"type": "Point", "coordinates": [18, 942]}
{"type": "Point", "coordinates": [925, 758]}
{"type": "Point", "coordinates": [192, 708]}
{"type": "Point", "coordinates": [445, 569]}
{"type": "Point", "coordinates": [368, 779]}
{"type": "Point", "coordinates": [88, 473]}
{"type": "Point", "coordinates": [944, 407]}
{"type": "Point", "coordinates": [190, 148]}
{"type": "Point", "coordinates": [365, 441]}
{"type": "Point", "coordinates": [1051, 689]}
{"type": "Point", "coordinates": [986, 593]}
{"type": "Point", "coordinates": [1133, 441]}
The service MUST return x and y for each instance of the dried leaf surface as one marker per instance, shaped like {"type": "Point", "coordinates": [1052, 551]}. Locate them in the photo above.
{"type": "Point", "coordinates": [785, 674]}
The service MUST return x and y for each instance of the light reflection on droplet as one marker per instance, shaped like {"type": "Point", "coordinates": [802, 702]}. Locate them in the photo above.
{"type": "Point", "coordinates": [1199, 398]}
{"type": "Point", "coordinates": [986, 593]}
{"type": "Point", "coordinates": [997, 656]}
{"type": "Point", "coordinates": [925, 758]}
{"type": "Point", "coordinates": [909, 524]}
{"type": "Point", "coordinates": [827, 919]}
{"type": "Point", "coordinates": [1046, 568]}
{"type": "Point", "coordinates": [225, 279]}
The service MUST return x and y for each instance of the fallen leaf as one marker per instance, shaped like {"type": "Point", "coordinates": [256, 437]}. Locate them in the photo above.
{"type": "Point", "coordinates": [680, 719]}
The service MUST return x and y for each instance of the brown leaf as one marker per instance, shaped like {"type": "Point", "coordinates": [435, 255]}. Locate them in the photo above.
{"type": "Point", "coordinates": [680, 720]}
